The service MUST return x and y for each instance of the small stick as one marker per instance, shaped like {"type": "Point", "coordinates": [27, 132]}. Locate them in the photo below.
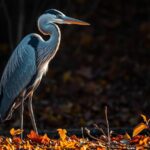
{"type": "Point", "coordinates": [82, 132]}
{"type": "Point", "coordinates": [100, 129]}
{"type": "Point", "coordinates": [108, 129]}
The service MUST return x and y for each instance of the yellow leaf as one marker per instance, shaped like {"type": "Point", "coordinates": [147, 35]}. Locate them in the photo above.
{"type": "Point", "coordinates": [127, 136]}
{"type": "Point", "coordinates": [14, 132]}
{"type": "Point", "coordinates": [139, 128]}
{"type": "Point", "coordinates": [62, 133]}
{"type": "Point", "coordinates": [144, 118]}
{"type": "Point", "coordinates": [67, 144]}
{"type": "Point", "coordinates": [84, 147]}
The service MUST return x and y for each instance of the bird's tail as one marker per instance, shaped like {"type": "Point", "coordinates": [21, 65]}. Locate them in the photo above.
{"type": "Point", "coordinates": [1, 96]}
{"type": "Point", "coordinates": [4, 108]}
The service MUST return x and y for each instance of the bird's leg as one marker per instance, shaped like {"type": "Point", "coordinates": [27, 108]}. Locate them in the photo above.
{"type": "Point", "coordinates": [31, 113]}
{"type": "Point", "coordinates": [22, 110]}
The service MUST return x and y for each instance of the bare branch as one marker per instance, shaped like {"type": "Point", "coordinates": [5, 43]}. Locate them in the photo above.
{"type": "Point", "coordinates": [108, 128]}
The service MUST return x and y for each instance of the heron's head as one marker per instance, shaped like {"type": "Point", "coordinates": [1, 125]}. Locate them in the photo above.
{"type": "Point", "coordinates": [55, 16]}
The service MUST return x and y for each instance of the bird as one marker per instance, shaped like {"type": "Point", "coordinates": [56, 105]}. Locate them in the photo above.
{"type": "Point", "coordinates": [29, 62]}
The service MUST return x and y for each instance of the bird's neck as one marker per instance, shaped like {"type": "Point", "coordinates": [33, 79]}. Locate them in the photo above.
{"type": "Point", "coordinates": [49, 48]}
{"type": "Point", "coordinates": [55, 36]}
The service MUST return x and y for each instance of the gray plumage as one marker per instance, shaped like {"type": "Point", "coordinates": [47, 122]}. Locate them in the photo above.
{"type": "Point", "coordinates": [29, 62]}
{"type": "Point", "coordinates": [17, 74]}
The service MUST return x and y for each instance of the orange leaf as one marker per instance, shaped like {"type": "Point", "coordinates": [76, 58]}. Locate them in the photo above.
{"type": "Point", "coordinates": [38, 138]}
{"type": "Point", "coordinates": [144, 118]}
{"type": "Point", "coordinates": [84, 147]}
{"type": "Point", "coordinates": [14, 132]}
{"type": "Point", "coordinates": [62, 133]}
{"type": "Point", "coordinates": [28, 146]}
{"type": "Point", "coordinates": [127, 136]}
{"type": "Point", "coordinates": [34, 137]}
{"type": "Point", "coordinates": [16, 139]}
{"type": "Point", "coordinates": [139, 128]}
{"type": "Point", "coordinates": [45, 139]}
{"type": "Point", "coordinates": [100, 148]}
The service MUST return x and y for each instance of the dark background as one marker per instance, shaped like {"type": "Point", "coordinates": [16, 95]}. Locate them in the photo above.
{"type": "Point", "coordinates": [105, 64]}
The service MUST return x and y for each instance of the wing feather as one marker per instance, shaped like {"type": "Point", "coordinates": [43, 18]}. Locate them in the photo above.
{"type": "Point", "coordinates": [19, 71]}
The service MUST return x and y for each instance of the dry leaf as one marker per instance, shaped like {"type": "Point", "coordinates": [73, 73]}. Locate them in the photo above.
{"type": "Point", "coordinates": [45, 139]}
{"type": "Point", "coordinates": [62, 133]}
{"type": "Point", "coordinates": [17, 140]}
{"type": "Point", "coordinates": [127, 136]}
{"type": "Point", "coordinates": [84, 147]}
{"type": "Point", "coordinates": [34, 137]}
{"type": "Point", "coordinates": [14, 132]}
{"type": "Point", "coordinates": [101, 148]}
{"type": "Point", "coordinates": [65, 144]}
{"type": "Point", "coordinates": [144, 118]}
{"type": "Point", "coordinates": [27, 146]}
{"type": "Point", "coordinates": [139, 128]}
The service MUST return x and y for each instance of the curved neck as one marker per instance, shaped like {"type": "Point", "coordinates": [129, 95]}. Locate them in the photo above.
{"type": "Point", "coordinates": [55, 36]}
{"type": "Point", "coordinates": [47, 49]}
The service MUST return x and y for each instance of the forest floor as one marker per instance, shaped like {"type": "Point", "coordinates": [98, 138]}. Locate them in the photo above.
{"type": "Point", "coordinates": [106, 140]}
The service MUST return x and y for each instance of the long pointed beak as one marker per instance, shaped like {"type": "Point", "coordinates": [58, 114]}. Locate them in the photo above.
{"type": "Point", "coordinates": [69, 20]}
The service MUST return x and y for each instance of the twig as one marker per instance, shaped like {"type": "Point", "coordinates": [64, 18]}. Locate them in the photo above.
{"type": "Point", "coordinates": [89, 134]}
{"type": "Point", "coordinates": [9, 24]}
{"type": "Point", "coordinates": [100, 142]}
{"type": "Point", "coordinates": [108, 129]}
{"type": "Point", "coordinates": [100, 129]}
{"type": "Point", "coordinates": [82, 132]}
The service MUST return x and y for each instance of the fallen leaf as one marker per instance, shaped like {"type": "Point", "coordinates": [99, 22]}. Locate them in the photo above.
{"type": "Point", "coordinates": [62, 133]}
{"type": "Point", "coordinates": [139, 128]}
{"type": "Point", "coordinates": [127, 136]}
{"type": "Point", "coordinates": [144, 118]}
{"type": "Point", "coordinates": [45, 139]}
{"type": "Point", "coordinates": [17, 139]}
{"type": "Point", "coordinates": [14, 132]}
{"type": "Point", "coordinates": [34, 136]}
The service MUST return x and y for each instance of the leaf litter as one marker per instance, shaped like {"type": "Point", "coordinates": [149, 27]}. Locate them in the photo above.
{"type": "Point", "coordinates": [105, 141]}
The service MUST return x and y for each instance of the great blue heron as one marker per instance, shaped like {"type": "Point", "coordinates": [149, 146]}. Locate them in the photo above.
{"type": "Point", "coordinates": [29, 62]}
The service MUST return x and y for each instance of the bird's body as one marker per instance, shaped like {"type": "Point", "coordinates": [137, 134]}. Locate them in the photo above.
{"type": "Point", "coordinates": [28, 63]}
{"type": "Point", "coordinates": [38, 53]}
